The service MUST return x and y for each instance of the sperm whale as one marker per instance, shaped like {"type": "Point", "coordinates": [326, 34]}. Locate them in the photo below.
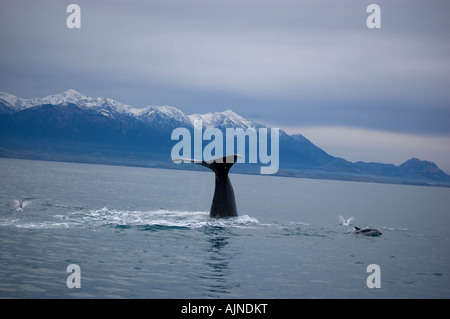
{"type": "Point", "coordinates": [223, 203]}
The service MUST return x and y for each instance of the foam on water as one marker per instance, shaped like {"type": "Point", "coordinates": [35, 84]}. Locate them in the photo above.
{"type": "Point", "coordinates": [147, 219]}
{"type": "Point", "coordinates": [65, 216]}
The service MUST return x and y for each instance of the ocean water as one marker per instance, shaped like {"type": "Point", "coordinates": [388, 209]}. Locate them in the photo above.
{"type": "Point", "coordinates": [146, 233]}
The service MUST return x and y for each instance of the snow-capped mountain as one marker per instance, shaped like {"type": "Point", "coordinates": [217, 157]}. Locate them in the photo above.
{"type": "Point", "coordinates": [71, 96]}
{"type": "Point", "coordinates": [224, 119]}
{"type": "Point", "coordinates": [10, 103]}
{"type": "Point", "coordinates": [72, 126]}
{"type": "Point", "coordinates": [161, 115]}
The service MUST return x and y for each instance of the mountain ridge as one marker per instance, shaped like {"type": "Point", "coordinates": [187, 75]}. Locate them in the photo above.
{"type": "Point", "coordinates": [53, 126]}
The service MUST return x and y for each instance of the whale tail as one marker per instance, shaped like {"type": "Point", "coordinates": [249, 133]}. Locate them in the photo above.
{"type": "Point", "coordinates": [221, 164]}
{"type": "Point", "coordinates": [223, 204]}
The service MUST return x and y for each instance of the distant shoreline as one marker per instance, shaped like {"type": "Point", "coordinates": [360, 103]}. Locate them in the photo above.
{"type": "Point", "coordinates": [241, 171]}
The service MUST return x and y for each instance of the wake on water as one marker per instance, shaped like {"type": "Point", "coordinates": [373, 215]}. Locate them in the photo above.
{"type": "Point", "coordinates": [158, 218]}
{"type": "Point", "coordinates": [141, 220]}
{"type": "Point", "coordinates": [161, 219]}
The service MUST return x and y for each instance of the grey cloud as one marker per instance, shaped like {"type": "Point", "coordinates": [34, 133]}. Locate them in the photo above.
{"type": "Point", "coordinates": [289, 61]}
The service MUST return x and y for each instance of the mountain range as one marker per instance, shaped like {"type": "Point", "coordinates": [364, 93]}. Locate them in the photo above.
{"type": "Point", "coordinates": [74, 127]}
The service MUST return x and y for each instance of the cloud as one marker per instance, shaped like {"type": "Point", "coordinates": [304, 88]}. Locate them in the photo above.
{"type": "Point", "coordinates": [312, 66]}
{"type": "Point", "coordinates": [301, 63]}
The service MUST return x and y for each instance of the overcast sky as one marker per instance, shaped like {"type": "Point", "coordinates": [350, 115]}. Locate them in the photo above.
{"type": "Point", "coordinates": [309, 67]}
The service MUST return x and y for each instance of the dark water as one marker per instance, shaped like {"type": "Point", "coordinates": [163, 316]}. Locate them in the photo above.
{"type": "Point", "coordinates": [145, 233]}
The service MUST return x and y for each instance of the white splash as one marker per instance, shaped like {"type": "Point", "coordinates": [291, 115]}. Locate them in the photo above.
{"type": "Point", "coordinates": [165, 218]}
{"type": "Point", "coordinates": [20, 206]}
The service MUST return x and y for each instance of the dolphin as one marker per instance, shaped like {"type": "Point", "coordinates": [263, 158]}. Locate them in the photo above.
{"type": "Point", "coordinates": [223, 203]}
{"type": "Point", "coordinates": [367, 231]}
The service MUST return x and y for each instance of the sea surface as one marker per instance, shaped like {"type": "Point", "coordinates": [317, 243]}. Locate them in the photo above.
{"type": "Point", "coordinates": [146, 233]}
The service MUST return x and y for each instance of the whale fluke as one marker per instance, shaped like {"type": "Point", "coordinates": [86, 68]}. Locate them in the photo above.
{"type": "Point", "coordinates": [223, 204]}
